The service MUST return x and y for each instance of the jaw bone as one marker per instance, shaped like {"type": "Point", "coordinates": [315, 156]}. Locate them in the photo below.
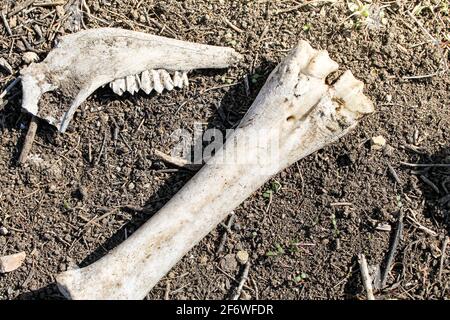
{"type": "Point", "coordinates": [128, 60]}
{"type": "Point", "coordinates": [295, 110]}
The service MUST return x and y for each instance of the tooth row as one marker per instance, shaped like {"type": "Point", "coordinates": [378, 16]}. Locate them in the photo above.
{"type": "Point", "coordinates": [149, 80]}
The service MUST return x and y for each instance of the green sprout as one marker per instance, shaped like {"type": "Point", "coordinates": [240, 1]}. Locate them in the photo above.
{"type": "Point", "coordinates": [66, 205]}
{"type": "Point", "coordinates": [307, 27]}
{"type": "Point", "coordinates": [360, 12]}
{"type": "Point", "coordinates": [275, 186]}
{"type": "Point", "coordinates": [255, 77]}
{"type": "Point", "coordinates": [278, 251]}
{"type": "Point", "coordinates": [301, 277]}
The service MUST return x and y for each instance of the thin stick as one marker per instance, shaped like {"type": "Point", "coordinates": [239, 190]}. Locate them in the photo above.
{"type": "Point", "coordinates": [102, 147]}
{"type": "Point", "coordinates": [422, 76]}
{"type": "Point", "coordinates": [256, 289]}
{"type": "Point", "coordinates": [430, 183]}
{"type": "Point", "coordinates": [425, 165]}
{"type": "Point", "coordinates": [341, 204]}
{"type": "Point", "coordinates": [5, 22]}
{"type": "Point", "coordinates": [167, 293]}
{"type": "Point", "coordinates": [367, 280]}
{"type": "Point", "coordinates": [443, 255]}
{"type": "Point", "coordinates": [50, 4]}
{"type": "Point", "coordinates": [299, 6]}
{"type": "Point", "coordinates": [225, 234]}
{"type": "Point", "coordinates": [246, 86]}
{"type": "Point", "coordinates": [20, 7]}
{"type": "Point", "coordinates": [392, 250]}
{"type": "Point", "coordinates": [232, 278]}
{"type": "Point", "coordinates": [29, 138]}
{"type": "Point", "coordinates": [393, 173]}
{"type": "Point", "coordinates": [9, 87]}
{"type": "Point", "coordinates": [177, 162]}
{"type": "Point", "coordinates": [421, 227]}
{"type": "Point", "coordinates": [423, 28]}
{"type": "Point", "coordinates": [232, 26]}
{"type": "Point", "coordinates": [242, 282]}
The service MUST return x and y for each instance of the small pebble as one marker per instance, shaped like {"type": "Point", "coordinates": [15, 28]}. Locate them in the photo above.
{"type": "Point", "coordinates": [242, 256]}
{"type": "Point", "coordinates": [377, 142]}
{"type": "Point", "coordinates": [29, 57]}
{"type": "Point", "coordinates": [383, 227]}
{"type": "Point", "coordinates": [60, 12]}
{"type": "Point", "coordinates": [228, 263]}
{"type": "Point", "coordinates": [388, 98]}
{"type": "Point", "coordinates": [12, 262]}
{"type": "Point", "coordinates": [3, 231]}
{"type": "Point", "coordinates": [245, 295]}
{"type": "Point", "coordinates": [131, 186]}
{"type": "Point", "coordinates": [388, 151]}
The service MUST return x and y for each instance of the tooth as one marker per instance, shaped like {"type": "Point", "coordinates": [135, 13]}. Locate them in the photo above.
{"type": "Point", "coordinates": [146, 82]}
{"type": "Point", "coordinates": [177, 80]}
{"type": "Point", "coordinates": [118, 86]}
{"type": "Point", "coordinates": [157, 85]}
{"type": "Point", "coordinates": [138, 81]}
{"type": "Point", "coordinates": [132, 86]}
{"type": "Point", "coordinates": [185, 79]}
{"type": "Point", "coordinates": [166, 79]}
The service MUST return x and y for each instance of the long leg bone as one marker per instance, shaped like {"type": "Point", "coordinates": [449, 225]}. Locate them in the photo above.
{"type": "Point", "coordinates": [128, 60]}
{"type": "Point", "coordinates": [295, 110]}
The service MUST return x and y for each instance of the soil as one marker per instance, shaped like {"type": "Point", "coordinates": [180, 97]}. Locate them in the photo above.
{"type": "Point", "coordinates": [70, 203]}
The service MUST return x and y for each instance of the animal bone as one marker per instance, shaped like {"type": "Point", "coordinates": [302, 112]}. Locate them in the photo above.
{"type": "Point", "coordinates": [128, 60]}
{"type": "Point", "coordinates": [295, 110]}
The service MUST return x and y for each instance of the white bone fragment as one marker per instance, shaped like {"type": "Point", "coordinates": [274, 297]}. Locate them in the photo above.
{"type": "Point", "coordinates": [157, 83]}
{"type": "Point", "coordinates": [12, 262]}
{"type": "Point", "coordinates": [295, 111]}
{"type": "Point", "coordinates": [118, 86]}
{"type": "Point", "coordinates": [86, 60]}
{"type": "Point", "coordinates": [30, 57]}
{"type": "Point", "coordinates": [166, 79]}
{"type": "Point", "coordinates": [177, 80]}
{"type": "Point", "coordinates": [185, 79]}
{"type": "Point", "coordinates": [146, 82]}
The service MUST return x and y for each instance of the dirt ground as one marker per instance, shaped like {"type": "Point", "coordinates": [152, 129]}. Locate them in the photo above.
{"type": "Point", "coordinates": [76, 204]}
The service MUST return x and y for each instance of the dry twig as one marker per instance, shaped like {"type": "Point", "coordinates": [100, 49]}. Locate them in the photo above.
{"type": "Point", "coordinates": [177, 162]}
{"type": "Point", "coordinates": [242, 282]}
{"type": "Point", "coordinates": [443, 256]}
{"type": "Point", "coordinates": [225, 234]}
{"type": "Point", "coordinates": [393, 249]}
{"type": "Point", "coordinates": [29, 138]}
{"type": "Point", "coordinates": [367, 280]}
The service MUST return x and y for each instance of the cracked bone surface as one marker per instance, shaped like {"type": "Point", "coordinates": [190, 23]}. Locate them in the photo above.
{"type": "Point", "coordinates": [295, 111]}
{"type": "Point", "coordinates": [127, 60]}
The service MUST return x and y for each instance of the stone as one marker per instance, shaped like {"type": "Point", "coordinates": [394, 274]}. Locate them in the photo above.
{"type": "Point", "coordinates": [3, 231]}
{"type": "Point", "coordinates": [245, 295]}
{"type": "Point", "coordinates": [377, 143]}
{"type": "Point", "coordinates": [29, 57]}
{"type": "Point", "coordinates": [228, 263]}
{"type": "Point", "coordinates": [12, 262]}
{"type": "Point", "coordinates": [242, 256]}
{"type": "Point", "coordinates": [203, 260]}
